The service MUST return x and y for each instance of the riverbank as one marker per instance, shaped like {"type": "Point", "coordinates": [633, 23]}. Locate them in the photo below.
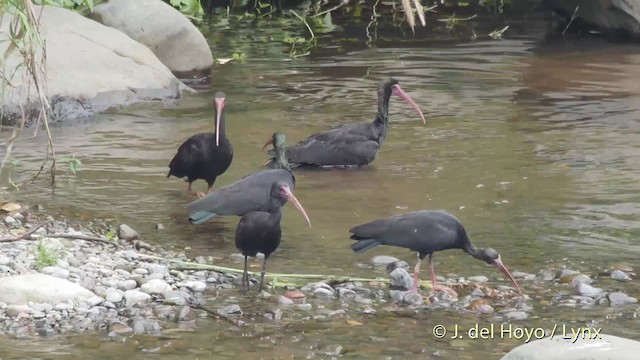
{"type": "Point", "coordinates": [118, 285]}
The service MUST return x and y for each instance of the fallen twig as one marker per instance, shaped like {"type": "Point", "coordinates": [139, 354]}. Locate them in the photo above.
{"type": "Point", "coordinates": [573, 17]}
{"type": "Point", "coordinates": [186, 265]}
{"type": "Point", "coordinates": [29, 236]}
{"type": "Point", "coordinates": [230, 319]}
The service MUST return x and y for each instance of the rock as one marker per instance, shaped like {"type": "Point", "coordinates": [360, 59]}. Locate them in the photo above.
{"type": "Point", "coordinates": [566, 272]}
{"type": "Point", "coordinates": [90, 68]}
{"type": "Point", "coordinates": [546, 275]}
{"type": "Point", "coordinates": [588, 290]}
{"type": "Point", "coordinates": [396, 295]}
{"type": "Point", "coordinates": [168, 33]}
{"type": "Point", "coordinates": [600, 347]}
{"type": "Point", "coordinates": [56, 271]}
{"type": "Point", "coordinates": [323, 293]}
{"type": "Point", "coordinates": [516, 315]}
{"type": "Point", "coordinates": [233, 309]}
{"type": "Point", "coordinates": [127, 285]}
{"type": "Point", "coordinates": [94, 301]}
{"type": "Point", "coordinates": [40, 288]}
{"type": "Point", "coordinates": [383, 260]}
{"type": "Point", "coordinates": [15, 310]}
{"type": "Point", "coordinates": [620, 275]}
{"type": "Point", "coordinates": [125, 232]}
{"type": "Point", "coordinates": [155, 287]}
{"type": "Point", "coordinates": [618, 298]}
{"type": "Point", "coordinates": [283, 300]}
{"type": "Point", "coordinates": [294, 294]}
{"type": "Point", "coordinates": [158, 269]}
{"type": "Point", "coordinates": [480, 279]}
{"type": "Point", "coordinates": [4, 260]}
{"type": "Point", "coordinates": [400, 280]}
{"type": "Point", "coordinates": [120, 328]}
{"type": "Point", "coordinates": [9, 220]}
{"type": "Point", "coordinates": [580, 279]}
{"type": "Point", "coordinates": [176, 298]}
{"type": "Point", "coordinates": [114, 295]}
{"type": "Point", "coordinates": [195, 286]}
{"type": "Point", "coordinates": [396, 265]}
{"type": "Point", "coordinates": [412, 298]}
{"type": "Point", "coordinates": [159, 227]}
{"type": "Point", "coordinates": [606, 15]}
{"type": "Point", "coordinates": [133, 297]}
{"type": "Point", "coordinates": [344, 293]}
{"type": "Point", "coordinates": [185, 314]}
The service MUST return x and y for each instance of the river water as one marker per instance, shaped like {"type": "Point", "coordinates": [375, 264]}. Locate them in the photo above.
{"type": "Point", "coordinates": [532, 143]}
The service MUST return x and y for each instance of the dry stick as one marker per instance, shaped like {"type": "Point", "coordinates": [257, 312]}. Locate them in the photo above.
{"type": "Point", "coordinates": [343, 3]}
{"type": "Point", "coordinates": [28, 236]}
{"type": "Point", "coordinates": [195, 266]}
{"type": "Point", "coordinates": [236, 322]}
{"type": "Point", "coordinates": [573, 17]}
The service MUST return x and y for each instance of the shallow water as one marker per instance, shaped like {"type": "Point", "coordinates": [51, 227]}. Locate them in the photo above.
{"type": "Point", "coordinates": [531, 143]}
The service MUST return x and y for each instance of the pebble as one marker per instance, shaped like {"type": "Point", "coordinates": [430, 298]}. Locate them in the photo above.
{"type": "Point", "coordinates": [141, 271]}
{"type": "Point", "coordinates": [133, 297]}
{"type": "Point", "coordinates": [114, 295]}
{"type": "Point", "coordinates": [324, 293]}
{"type": "Point", "coordinates": [283, 300]}
{"type": "Point", "coordinates": [127, 285]}
{"type": "Point", "coordinates": [588, 290]}
{"type": "Point", "coordinates": [620, 275]}
{"type": "Point", "coordinates": [185, 314]}
{"type": "Point", "coordinates": [397, 265]}
{"type": "Point", "coordinates": [517, 315]}
{"type": "Point", "coordinates": [580, 279]}
{"type": "Point", "coordinates": [15, 310]}
{"type": "Point", "coordinates": [413, 298]}
{"type": "Point", "coordinates": [56, 271]}
{"type": "Point", "coordinates": [120, 329]}
{"type": "Point", "coordinates": [9, 220]}
{"type": "Point", "coordinates": [546, 275]}
{"type": "Point", "coordinates": [125, 232]}
{"type": "Point", "coordinates": [175, 298]}
{"type": "Point", "coordinates": [233, 309]}
{"type": "Point", "coordinates": [396, 295]}
{"type": "Point", "coordinates": [195, 286]}
{"type": "Point", "coordinates": [159, 227]}
{"type": "Point", "coordinates": [158, 269]}
{"type": "Point", "coordinates": [478, 279]}
{"type": "Point", "coordinates": [94, 300]}
{"type": "Point", "coordinates": [344, 293]}
{"type": "Point", "coordinates": [383, 260]}
{"type": "Point", "coordinates": [618, 298]}
{"type": "Point", "coordinates": [4, 260]}
{"type": "Point", "coordinates": [400, 280]}
{"type": "Point", "coordinates": [155, 287]}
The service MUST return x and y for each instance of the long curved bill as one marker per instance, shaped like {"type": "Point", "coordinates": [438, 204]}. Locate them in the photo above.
{"type": "Point", "coordinates": [296, 203]}
{"type": "Point", "coordinates": [269, 142]}
{"type": "Point", "coordinates": [397, 90]}
{"type": "Point", "coordinates": [219, 107]}
{"type": "Point", "coordinates": [498, 263]}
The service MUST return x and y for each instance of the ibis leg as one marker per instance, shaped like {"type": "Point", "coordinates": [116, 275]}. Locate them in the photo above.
{"type": "Point", "coordinates": [435, 287]}
{"type": "Point", "coordinates": [245, 276]}
{"type": "Point", "coordinates": [264, 269]}
{"type": "Point", "coordinates": [191, 192]}
{"type": "Point", "coordinates": [416, 273]}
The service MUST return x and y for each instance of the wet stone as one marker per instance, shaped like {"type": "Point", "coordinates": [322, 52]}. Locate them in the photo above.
{"type": "Point", "coordinates": [478, 279]}
{"type": "Point", "coordinates": [155, 287]}
{"type": "Point", "coordinates": [233, 309]}
{"type": "Point", "coordinates": [516, 315]}
{"type": "Point", "coordinates": [359, 299]}
{"type": "Point", "coordinates": [566, 272]}
{"type": "Point", "coordinates": [397, 265]}
{"type": "Point", "coordinates": [618, 298]}
{"type": "Point", "coordinates": [400, 280]}
{"type": "Point", "coordinates": [120, 328]}
{"type": "Point", "coordinates": [125, 232]}
{"type": "Point", "coordinates": [185, 314]}
{"type": "Point", "coordinates": [412, 298]}
{"type": "Point", "coordinates": [383, 260]}
{"type": "Point", "coordinates": [127, 285]}
{"type": "Point", "coordinates": [56, 271]}
{"type": "Point", "coordinates": [580, 279]}
{"type": "Point", "coordinates": [620, 275]}
{"type": "Point", "coordinates": [176, 298]}
{"type": "Point", "coordinates": [344, 293]}
{"type": "Point", "coordinates": [114, 295]}
{"type": "Point", "coordinates": [588, 290]}
{"type": "Point", "coordinates": [396, 295]}
{"type": "Point", "coordinates": [94, 301]}
{"type": "Point", "coordinates": [196, 286]}
{"type": "Point", "coordinates": [322, 292]}
{"type": "Point", "coordinates": [15, 310]}
{"type": "Point", "coordinates": [546, 275]}
{"type": "Point", "coordinates": [133, 297]}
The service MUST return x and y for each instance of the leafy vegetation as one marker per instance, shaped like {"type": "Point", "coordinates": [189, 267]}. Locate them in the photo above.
{"type": "Point", "coordinates": [45, 256]}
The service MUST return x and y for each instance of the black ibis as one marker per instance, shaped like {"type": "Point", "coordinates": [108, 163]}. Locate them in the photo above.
{"type": "Point", "coordinates": [350, 145]}
{"type": "Point", "coordinates": [206, 155]}
{"type": "Point", "coordinates": [426, 232]}
{"type": "Point", "coordinates": [259, 231]}
{"type": "Point", "coordinates": [250, 193]}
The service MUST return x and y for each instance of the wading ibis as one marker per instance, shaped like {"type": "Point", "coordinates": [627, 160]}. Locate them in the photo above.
{"type": "Point", "coordinates": [259, 231]}
{"type": "Point", "coordinates": [350, 145]}
{"type": "Point", "coordinates": [250, 193]}
{"type": "Point", "coordinates": [424, 232]}
{"type": "Point", "coordinates": [206, 155]}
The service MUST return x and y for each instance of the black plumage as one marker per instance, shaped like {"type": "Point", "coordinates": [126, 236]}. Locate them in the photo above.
{"type": "Point", "coordinates": [259, 231]}
{"type": "Point", "coordinates": [425, 232]}
{"type": "Point", "coordinates": [350, 145]}
{"type": "Point", "coordinates": [250, 193]}
{"type": "Point", "coordinates": [204, 156]}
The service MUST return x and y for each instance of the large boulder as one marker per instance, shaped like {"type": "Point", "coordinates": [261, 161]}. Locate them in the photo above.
{"type": "Point", "coordinates": [608, 15]}
{"type": "Point", "coordinates": [40, 288]}
{"type": "Point", "coordinates": [168, 33]}
{"type": "Point", "coordinates": [589, 346]}
{"type": "Point", "coordinates": [89, 68]}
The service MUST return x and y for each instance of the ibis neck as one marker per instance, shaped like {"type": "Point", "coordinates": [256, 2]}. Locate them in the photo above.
{"type": "Point", "coordinates": [281, 161]}
{"type": "Point", "coordinates": [382, 117]}
{"type": "Point", "coordinates": [275, 209]}
{"type": "Point", "coordinates": [472, 250]}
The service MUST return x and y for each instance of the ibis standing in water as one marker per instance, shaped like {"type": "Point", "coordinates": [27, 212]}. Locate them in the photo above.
{"type": "Point", "coordinates": [206, 155]}
{"type": "Point", "coordinates": [250, 193]}
{"type": "Point", "coordinates": [424, 232]}
{"type": "Point", "coordinates": [350, 145]}
{"type": "Point", "coordinates": [259, 231]}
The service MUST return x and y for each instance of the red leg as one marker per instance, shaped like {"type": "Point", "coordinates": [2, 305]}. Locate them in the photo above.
{"type": "Point", "coordinates": [435, 287]}
{"type": "Point", "coordinates": [416, 279]}
{"type": "Point", "coordinates": [191, 192]}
